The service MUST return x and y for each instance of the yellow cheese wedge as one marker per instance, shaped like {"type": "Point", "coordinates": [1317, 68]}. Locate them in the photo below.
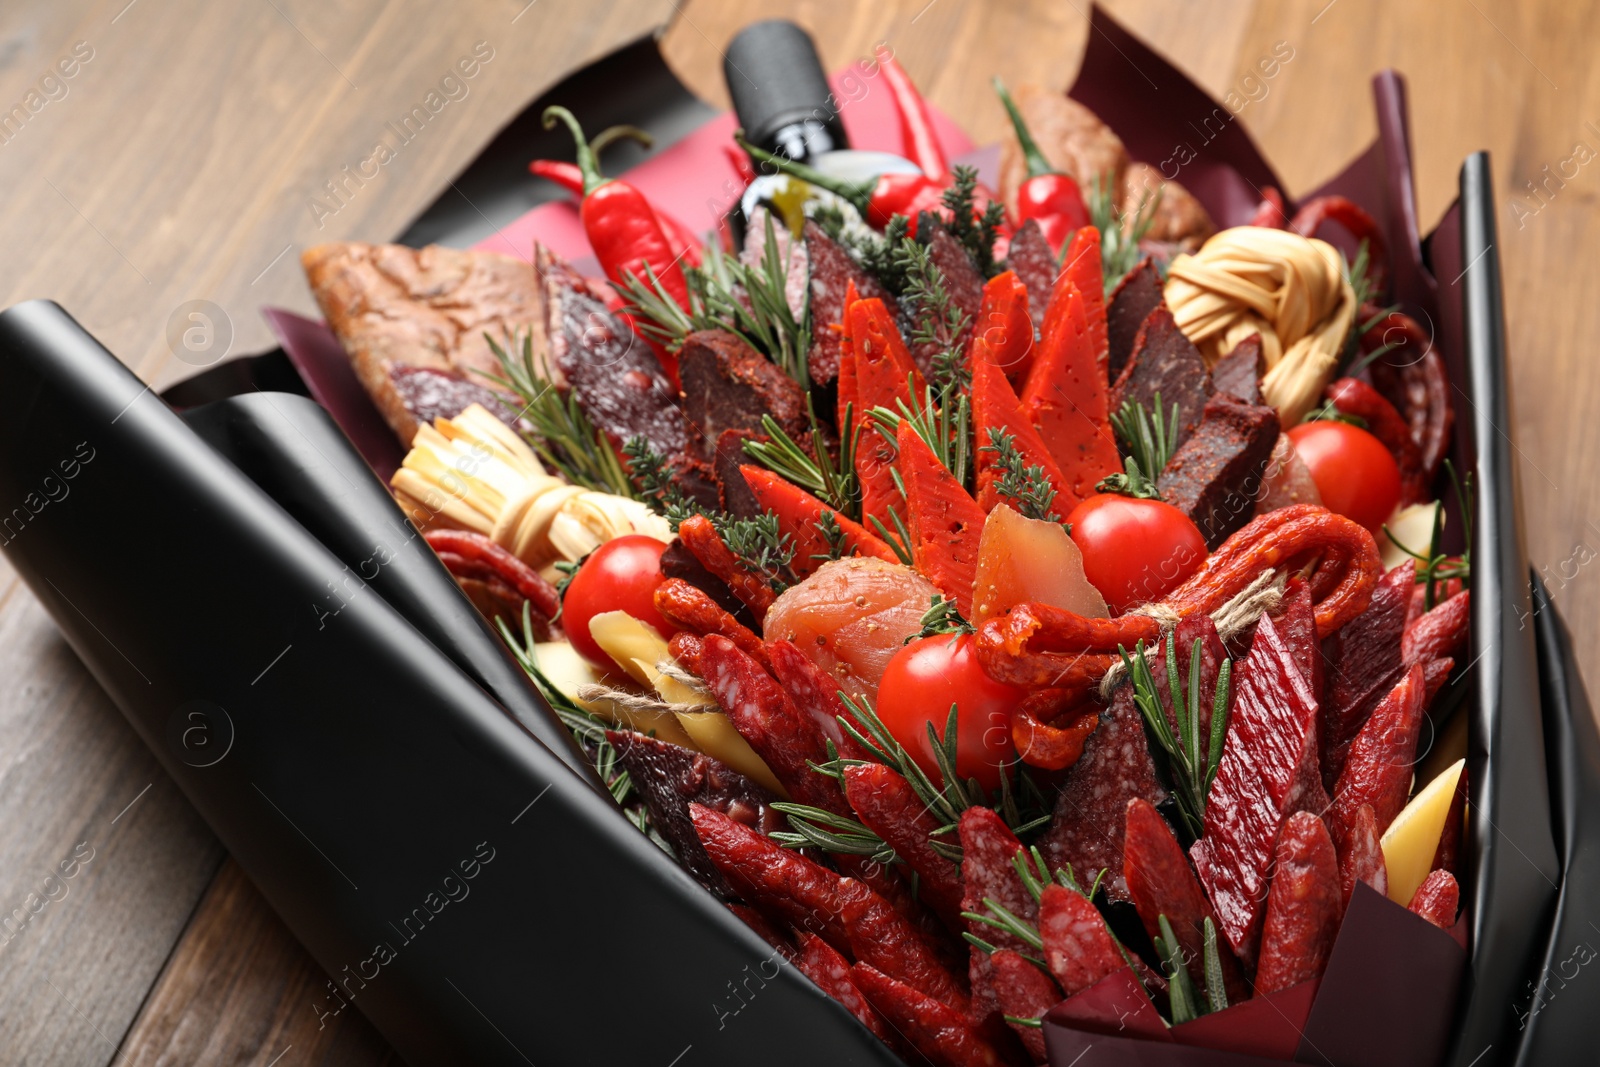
{"type": "Point", "coordinates": [626, 639]}
{"type": "Point", "coordinates": [1413, 525]}
{"type": "Point", "coordinates": [714, 735]}
{"type": "Point", "coordinates": [1412, 839]}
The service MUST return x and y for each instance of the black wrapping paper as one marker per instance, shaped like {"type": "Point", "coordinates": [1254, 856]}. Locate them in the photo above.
{"type": "Point", "coordinates": [465, 889]}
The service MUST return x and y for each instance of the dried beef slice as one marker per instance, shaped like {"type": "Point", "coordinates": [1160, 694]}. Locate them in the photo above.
{"type": "Point", "coordinates": [1165, 361]}
{"type": "Point", "coordinates": [1034, 262]}
{"type": "Point", "coordinates": [727, 385]}
{"type": "Point", "coordinates": [1239, 372]}
{"type": "Point", "coordinates": [1214, 476]}
{"type": "Point", "coordinates": [1136, 296]}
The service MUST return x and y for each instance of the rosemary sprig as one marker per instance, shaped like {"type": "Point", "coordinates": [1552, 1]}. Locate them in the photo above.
{"type": "Point", "coordinates": [898, 539]}
{"type": "Point", "coordinates": [1181, 995]}
{"type": "Point", "coordinates": [945, 803]}
{"type": "Point", "coordinates": [1119, 246]}
{"type": "Point", "coordinates": [1436, 567]}
{"type": "Point", "coordinates": [762, 547]}
{"type": "Point", "coordinates": [1150, 439]}
{"type": "Point", "coordinates": [657, 483]}
{"type": "Point", "coordinates": [975, 231]}
{"type": "Point", "coordinates": [1216, 990]}
{"type": "Point", "coordinates": [942, 420]}
{"type": "Point", "coordinates": [1027, 487]}
{"type": "Point", "coordinates": [833, 481]}
{"type": "Point", "coordinates": [562, 435]}
{"type": "Point", "coordinates": [820, 828]}
{"type": "Point", "coordinates": [1191, 768]}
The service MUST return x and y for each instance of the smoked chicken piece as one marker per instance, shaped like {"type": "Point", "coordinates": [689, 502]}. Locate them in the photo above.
{"type": "Point", "coordinates": [1303, 907]}
{"type": "Point", "coordinates": [1165, 361]}
{"type": "Point", "coordinates": [1268, 772]}
{"type": "Point", "coordinates": [727, 385]}
{"type": "Point", "coordinates": [1136, 296]}
{"type": "Point", "coordinates": [1034, 261]}
{"type": "Point", "coordinates": [1214, 477]}
{"type": "Point", "coordinates": [832, 272]}
{"type": "Point", "coordinates": [670, 778]}
{"type": "Point", "coordinates": [1091, 810]}
{"type": "Point", "coordinates": [1363, 660]}
{"type": "Point", "coordinates": [1239, 372]}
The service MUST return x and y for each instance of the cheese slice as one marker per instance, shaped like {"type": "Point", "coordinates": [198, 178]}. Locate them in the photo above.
{"type": "Point", "coordinates": [1412, 839]}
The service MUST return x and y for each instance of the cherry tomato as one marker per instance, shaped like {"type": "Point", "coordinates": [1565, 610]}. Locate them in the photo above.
{"type": "Point", "coordinates": [620, 575]}
{"type": "Point", "coordinates": [1354, 472]}
{"type": "Point", "coordinates": [920, 683]}
{"type": "Point", "coordinates": [1135, 550]}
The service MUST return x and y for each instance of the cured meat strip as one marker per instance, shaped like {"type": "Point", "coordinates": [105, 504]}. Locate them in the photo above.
{"type": "Point", "coordinates": [939, 1033]}
{"type": "Point", "coordinates": [1024, 992]}
{"type": "Point", "coordinates": [1268, 772]}
{"type": "Point", "coordinates": [831, 972]}
{"type": "Point", "coordinates": [1078, 946]}
{"type": "Point", "coordinates": [1363, 659]}
{"type": "Point", "coordinates": [1215, 475]}
{"type": "Point", "coordinates": [1361, 854]}
{"type": "Point", "coordinates": [1081, 266]}
{"type": "Point", "coordinates": [832, 273]}
{"type": "Point", "coordinates": [800, 516]}
{"type": "Point", "coordinates": [943, 520]}
{"type": "Point", "coordinates": [882, 939]}
{"type": "Point", "coordinates": [727, 385]}
{"type": "Point", "coordinates": [996, 409]}
{"type": "Point", "coordinates": [1297, 622]}
{"type": "Point", "coordinates": [786, 740]}
{"type": "Point", "coordinates": [1443, 591]}
{"type": "Point", "coordinates": [814, 694]}
{"type": "Point", "coordinates": [1165, 361]}
{"type": "Point", "coordinates": [670, 778]}
{"type": "Point", "coordinates": [1303, 908]}
{"type": "Point", "coordinates": [690, 607]}
{"type": "Point", "coordinates": [779, 882]}
{"type": "Point", "coordinates": [1003, 333]}
{"type": "Point", "coordinates": [1034, 261]}
{"type": "Point", "coordinates": [888, 806]}
{"type": "Point", "coordinates": [1239, 372]}
{"type": "Point", "coordinates": [1136, 296]}
{"type": "Point", "coordinates": [1161, 883]}
{"type": "Point", "coordinates": [734, 494]}
{"type": "Point", "coordinates": [1379, 769]}
{"type": "Point", "coordinates": [1439, 633]}
{"type": "Point", "coordinates": [1448, 852]}
{"type": "Point", "coordinates": [1438, 899]}
{"type": "Point", "coordinates": [702, 538]}
{"type": "Point", "coordinates": [1091, 810]}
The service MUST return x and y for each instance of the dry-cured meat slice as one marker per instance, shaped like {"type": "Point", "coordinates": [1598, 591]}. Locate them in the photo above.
{"type": "Point", "coordinates": [1303, 907]}
{"type": "Point", "coordinates": [1215, 475]}
{"type": "Point", "coordinates": [1440, 633]}
{"type": "Point", "coordinates": [1363, 660]}
{"type": "Point", "coordinates": [818, 961]}
{"type": "Point", "coordinates": [1378, 771]}
{"type": "Point", "coordinates": [887, 805]}
{"type": "Point", "coordinates": [1268, 772]}
{"type": "Point", "coordinates": [1361, 854]}
{"type": "Point", "coordinates": [1024, 992]}
{"type": "Point", "coordinates": [1136, 296]}
{"type": "Point", "coordinates": [1438, 899]}
{"type": "Point", "coordinates": [1297, 623]}
{"type": "Point", "coordinates": [881, 938]}
{"type": "Point", "coordinates": [988, 848]}
{"type": "Point", "coordinates": [727, 385]}
{"type": "Point", "coordinates": [1034, 261]}
{"type": "Point", "coordinates": [1239, 372]}
{"type": "Point", "coordinates": [1165, 361]}
{"type": "Point", "coordinates": [832, 272]}
{"type": "Point", "coordinates": [1078, 946]}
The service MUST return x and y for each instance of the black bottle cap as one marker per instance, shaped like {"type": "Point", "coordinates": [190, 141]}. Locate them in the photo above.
{"type": "Point", "coordinates": [776, 82]}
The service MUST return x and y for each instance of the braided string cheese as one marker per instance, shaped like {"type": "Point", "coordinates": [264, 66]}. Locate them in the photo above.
{"type": "Point", "coordinates": [1289, 289]}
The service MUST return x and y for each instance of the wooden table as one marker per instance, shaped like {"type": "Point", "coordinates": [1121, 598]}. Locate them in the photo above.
{"type": "Point", "coordinates": [180, 159]}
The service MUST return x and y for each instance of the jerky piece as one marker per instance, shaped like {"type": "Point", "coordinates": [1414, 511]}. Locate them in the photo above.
{"type": "Point", "coordinates": [1268, 772]}
{"type": "Point", "coordinates": [1435, 672]}
{"type": "Point", "coordinates": [430, 394]}
{"type": "Point", "coordinates": [1161, 883]}
{"type": "Point", "coordinates": [1363, 660]}
{"type": "Point", "coordinates": [1439, 633]}
{"type": "Point", "coordinates": [1165, 361]}
{"type": "Point", "coordinates": [781, 883]}
{"type": "Point", "coordinates": [786, 740]}
{"type": "Point", "coordinates": [1087, 829]}
{"type": "Point", "coordinates": [962, 281]}
{"type": "Point", "coordinates": [1136, 296]}
{"type": "Point", "coordinates": [1303, 908]}
{"type": "Point", "coordinates": [733, 491]}
{"type": "Point", "coordinates": [832, 271]}
{"type": "Point", "coordinates": [698, 479]}
{"type": "Point", "coordinates": [671, 778]}
{"type": "Point", "coordinates": [1239, 372]}
{"type": "Point", "coordinates": [727, 385]}
{"type": "Point", "coordinates": [1297, 622]}
{"type": "Point", "coordinates": [987, 849]}
{"type": "Point", "coordinates": [610, 370]}
{"type": "Point", "coordinates": [766, 928]}
{"type": "Point", "coordinates": [1078, 946]}
{"type": "Point", "coordinates": [1212, 653]}
{"type": "Point", "coordinates": [831, 973]}
{"type": "Point", "coordinates": [1215, 475]}
{"type": "Point", "coordinates": [1438, 899]}
{"type": "Point", "coordinates": [702, 537]}
{"type": "Point", "coordinates": [937, 1031]}
{"type": "Point", "coordinates": [1034, 261]}
{"type": "Point", "coordinates": [1024, 992]}
{"type": "Point", "coordinates": [1361, 855]}
{"type": "Point", "coordinates": [887, 805]}
{"type": "Point", "coordinates": [882, 939]}
{"type": "Point", "coordinates": [1379, 769]}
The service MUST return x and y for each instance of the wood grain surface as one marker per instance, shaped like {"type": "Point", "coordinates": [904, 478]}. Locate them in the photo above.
{"type": "Point", "coordinates": [185, 157]}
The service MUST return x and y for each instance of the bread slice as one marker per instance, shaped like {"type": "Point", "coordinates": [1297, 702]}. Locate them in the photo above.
{"type": "Point", "coordinates": [398, 310]}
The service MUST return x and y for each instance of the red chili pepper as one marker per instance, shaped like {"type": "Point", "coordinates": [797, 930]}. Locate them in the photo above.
{"type": "Point", "coordinates": [627, 237]}
{"type": "Point", "coordinates": [1269, 213]}
{"type": "Point", "coordinates": [920, 143]}
{"type": "Point", "coordinates": [741, 163]}
{"type": "Point", "coordinates": [1047, 195]}
{"type": "Point", "coordinates": [685, 245]}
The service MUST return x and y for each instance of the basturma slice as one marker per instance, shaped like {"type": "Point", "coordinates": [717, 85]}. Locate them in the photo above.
{"type": "Point", "coordinates": [1363, 666]}
{"type": "Point", "coordinates": [1268, 772]}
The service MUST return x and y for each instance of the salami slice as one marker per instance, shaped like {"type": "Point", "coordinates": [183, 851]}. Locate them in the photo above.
{"type": "Point", "coordinates": [1303, 908]}
{"type": "Point", "coordinates": [1438, 899]}
{"type": "Point", "coordinates": [879, 937]}
{"type": "Point", "coordinates": [962, 282]}
{"type": "Point", "coordinates": [987, 849]}
{"type": "Point", "coordinates": [1031, 257]}
{"type": "Point", "coordinates": [769, 931]}
{"type": "Point", "coordinates": [1361, 854]}
{"type": "Point", "coordinates": [1363, 664]}
{"type": "Point", "coordinates": [1024, 992]}
{"type": "Point", "coordinates": [1268, 772]}
{"type": "Point", "coordinates": [831, 973]}
{"type": "Point", "coordinates": [1379, 769]}
{"type": "Point", "coordinates": [1078, 946]}
{"type": "Point", "coordinates": [938, 1032]}
{"type": "Point", "coordinates": [832, 271]}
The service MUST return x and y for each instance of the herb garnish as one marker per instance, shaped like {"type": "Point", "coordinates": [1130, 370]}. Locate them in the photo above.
{"type": "Point", "coordinates": [1191, 768]}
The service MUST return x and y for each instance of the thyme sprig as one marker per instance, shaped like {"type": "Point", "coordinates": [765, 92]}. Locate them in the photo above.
{"type": "Point", "coordinates": [942, 617]}
{"type": "Point", "coordinates": [762, 547]}
{"type": "Point", "coordinates": [1191, 767]}
{"type": "Point", "coordinates": [562, 434]}
{"type": "Point", "coordinates": [833, 535]}
{"type": "Point", "coordinates": [1027, 487]}
{"type": "Point", "coordinates": [656, 482]}
{"type": "Point", "coordinates": [1151, 439]}
{"type": "Point", "coordinates": [975, 230]}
